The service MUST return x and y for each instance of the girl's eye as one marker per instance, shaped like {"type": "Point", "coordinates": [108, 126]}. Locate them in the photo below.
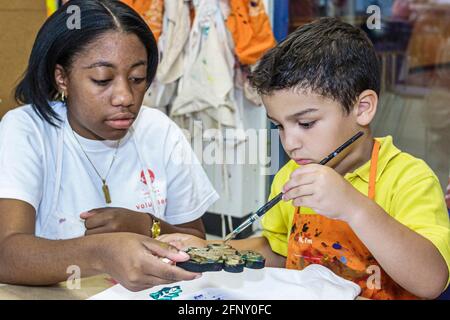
{"type": "Point", "coordinates": [307, 125]}
{"type": "Point", "coordinates": [101, 82]}
{"type": "Point", "coordinates": [137, 80]}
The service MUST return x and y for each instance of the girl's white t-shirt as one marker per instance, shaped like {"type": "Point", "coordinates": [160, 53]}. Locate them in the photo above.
{"type": "Point", "coordinates": [155, 171]}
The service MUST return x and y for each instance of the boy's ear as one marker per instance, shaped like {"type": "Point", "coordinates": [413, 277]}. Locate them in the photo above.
{"type": "Point", "coordinates": [366, 107]}
{"type": "Point", "coordinates": [61, 79]}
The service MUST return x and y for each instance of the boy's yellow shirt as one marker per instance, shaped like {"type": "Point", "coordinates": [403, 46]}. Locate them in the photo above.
{"type": "Point", "coordinates": [406, 188]}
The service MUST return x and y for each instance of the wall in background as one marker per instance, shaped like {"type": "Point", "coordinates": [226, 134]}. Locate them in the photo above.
{"type": "Point", "coordinates": [20, 21]}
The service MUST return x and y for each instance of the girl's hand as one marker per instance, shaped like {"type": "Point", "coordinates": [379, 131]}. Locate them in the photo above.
{"type": "Point", "coordinates": [106, 220]}
{"type": "Point", "coordinates": [182, 241]}
{"type": "Point", "coordinates": [138, 262]}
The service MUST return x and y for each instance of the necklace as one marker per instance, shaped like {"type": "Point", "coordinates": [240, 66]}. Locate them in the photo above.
{"type": "Point", "coordinates": [105, 187]}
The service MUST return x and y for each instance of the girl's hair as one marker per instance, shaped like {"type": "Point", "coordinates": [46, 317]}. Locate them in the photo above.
{"type": "Point", "coordinates": [58, 43]}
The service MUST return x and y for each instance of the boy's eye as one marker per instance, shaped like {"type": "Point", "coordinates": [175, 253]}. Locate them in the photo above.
{"type": "Point", "coordinates": [101, 82]}
{"type": "Point", "coordinates": [307, 125]}
{"type": "Point", "coordinates": [278, 126]}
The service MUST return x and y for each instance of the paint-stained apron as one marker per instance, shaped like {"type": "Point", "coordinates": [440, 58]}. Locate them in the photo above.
{"type": "Point", "coordinates": [316, 239]}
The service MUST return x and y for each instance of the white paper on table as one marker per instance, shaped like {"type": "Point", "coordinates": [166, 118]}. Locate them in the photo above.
{"type": "Point", "coordinates": [315, 282]}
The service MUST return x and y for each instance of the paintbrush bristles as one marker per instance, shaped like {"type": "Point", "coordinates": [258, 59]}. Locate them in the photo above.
{"type": "Point", "coordinates": [228, 237]}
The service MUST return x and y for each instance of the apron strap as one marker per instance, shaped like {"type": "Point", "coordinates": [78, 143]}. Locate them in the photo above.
{"type": "Point", "coordinates": [373, 169]}
{"type": "Point", "coordinates": [59, 161]}
{"type": "Point", "coordinates": [373, 173]}
{"type": "Point", "coordinates": [157, 211]}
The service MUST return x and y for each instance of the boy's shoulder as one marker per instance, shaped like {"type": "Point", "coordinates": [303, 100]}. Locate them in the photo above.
{"type": "Point", "coordinates": [402, 167]}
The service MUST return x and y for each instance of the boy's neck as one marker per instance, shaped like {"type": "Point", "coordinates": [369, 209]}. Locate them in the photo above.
{"type": "Point", "coordinates": [357, 157]}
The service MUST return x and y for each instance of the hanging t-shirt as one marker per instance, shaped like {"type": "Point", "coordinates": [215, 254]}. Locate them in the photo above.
{"type": "Point", "coordinates": [155, 171]}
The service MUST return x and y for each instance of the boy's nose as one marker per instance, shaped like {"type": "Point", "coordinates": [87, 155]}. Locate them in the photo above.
{"type": "Point", "coordinates": [291, 142]}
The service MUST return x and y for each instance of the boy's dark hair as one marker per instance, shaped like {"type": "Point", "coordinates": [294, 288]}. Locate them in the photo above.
{"type": "Point", "coordinates": [56, 44]}
{"type": "Point", "coordinates": [327, 56]}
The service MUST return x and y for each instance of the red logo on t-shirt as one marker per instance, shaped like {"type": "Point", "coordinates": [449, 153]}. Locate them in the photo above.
{"type": "Point", "coordinates": [144, 179]}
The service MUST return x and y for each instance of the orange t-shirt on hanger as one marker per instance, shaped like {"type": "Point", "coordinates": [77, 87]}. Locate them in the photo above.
{"type": "Point", "coordinates": [250, 28]}
{"type": "Point", "coordinates": [152, 11]}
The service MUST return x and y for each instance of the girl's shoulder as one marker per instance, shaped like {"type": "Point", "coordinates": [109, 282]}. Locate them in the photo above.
{"type": "Point", "coordinates": [153, 122]}
{"type": "Point", "coordinates": [24, 125]}
{"type": "Point", "coordinates": [26, 118]}
{"type": "Point", "coordinates": [152, 116]}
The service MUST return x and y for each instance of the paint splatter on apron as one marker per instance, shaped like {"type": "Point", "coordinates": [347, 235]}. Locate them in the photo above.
{"type": "Point", "coordinates": [316, 239]}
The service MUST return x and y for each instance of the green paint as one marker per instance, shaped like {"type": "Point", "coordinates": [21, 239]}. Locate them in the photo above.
{"type": "Point", "coordinates": [167, 293]}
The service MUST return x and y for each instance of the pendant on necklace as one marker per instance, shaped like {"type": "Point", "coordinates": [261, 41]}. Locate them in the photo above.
{"type": "Point", "coordinates": [106, 192]}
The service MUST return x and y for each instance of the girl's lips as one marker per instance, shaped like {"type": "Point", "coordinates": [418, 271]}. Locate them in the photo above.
{"type": "Point", "coordinates": [303, 162]}
{"type": "Point", "coordinates": [120, 124]}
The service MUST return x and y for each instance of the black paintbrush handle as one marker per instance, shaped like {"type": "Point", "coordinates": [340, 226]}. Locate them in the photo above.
{"type": "Point", "coordinates": [269, 205]}
{"type": "Point", "coordinates": [261, 211]}
{"type": "Point", "coordinates": [339, 150]}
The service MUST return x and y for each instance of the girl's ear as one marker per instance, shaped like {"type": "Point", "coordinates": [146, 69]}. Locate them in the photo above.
{"type": "Point", "coordinates": [366, 107]}
{"type": "Point", "coordinates": [61, 79]}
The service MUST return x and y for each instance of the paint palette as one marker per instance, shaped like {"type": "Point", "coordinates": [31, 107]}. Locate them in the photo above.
{"type": "Point", "coordinates": [217, 257]}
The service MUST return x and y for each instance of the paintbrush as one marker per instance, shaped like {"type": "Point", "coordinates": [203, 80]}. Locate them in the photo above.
{"type": "Point", "coordinates": [261, 211]}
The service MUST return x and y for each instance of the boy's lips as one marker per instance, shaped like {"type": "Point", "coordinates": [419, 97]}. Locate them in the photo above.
{"type": "Point", "coordinates": [303, 162]}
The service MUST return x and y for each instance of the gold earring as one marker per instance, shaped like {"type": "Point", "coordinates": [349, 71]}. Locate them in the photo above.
{"type": "Point", "coordinates": [63, 97]}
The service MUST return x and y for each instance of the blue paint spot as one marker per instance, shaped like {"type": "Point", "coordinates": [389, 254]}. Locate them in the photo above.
{"type": "Point", "coordinates": [337, 246]}
{"type": "Point", "coordinates": [344, 260]}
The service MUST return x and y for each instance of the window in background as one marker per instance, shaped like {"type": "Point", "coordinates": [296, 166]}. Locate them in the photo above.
{"type": "Point", "coordinates": [413, 44]}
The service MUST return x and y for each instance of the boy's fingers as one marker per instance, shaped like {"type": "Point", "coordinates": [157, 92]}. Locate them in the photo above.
{"type": "Point", "coordinates": [309, 168]}
{"type": "Point", "coordinates": [298, 192]}
{"type": "Point", "coordinates": [305, 201]}
{"type": "Point", "coordinates": [299, 180]}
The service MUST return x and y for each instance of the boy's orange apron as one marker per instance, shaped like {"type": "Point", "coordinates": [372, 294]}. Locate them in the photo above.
{"type": "Point", "coordinates": [316, 239]}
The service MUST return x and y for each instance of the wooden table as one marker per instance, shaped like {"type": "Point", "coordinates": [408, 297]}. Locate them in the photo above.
{"type": "Point", "coordinates": [88, 287]}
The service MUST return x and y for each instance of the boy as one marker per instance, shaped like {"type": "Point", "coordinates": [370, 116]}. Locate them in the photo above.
{"type": "Point", "coordinates": [374, 212]}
